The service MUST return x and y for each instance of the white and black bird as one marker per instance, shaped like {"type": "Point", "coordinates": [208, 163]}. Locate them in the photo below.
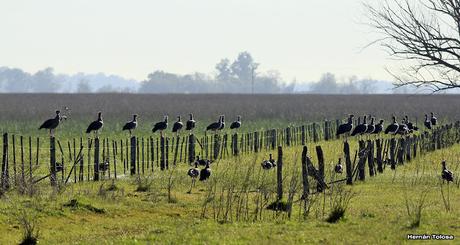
{"type": "Point", "coordinates": [222, 125]}
{"type": "Point", "coordinates": [178, 125]}
{"type": "Point", "coordinates": [434, 120]}
{"type": "Point", "coordinates": [202, 162]}
{"type": "Point", "coordinates": [96, 125]}
{"type": "Point", "coordinates": [268, 164]}
{"type": "Point", "coordinates": [446, 174]}
{"type": "Point", "coordinates": [427, 122]}
{"type": "Point", "coordinates": [193, 173]}
{"type": "Point", "coordinates": [236, 124]}
{"type": "Point", "coordinates": [160, 126]}
{"type": "Point", "coordinates": [393, 127]}
{"type": "Point", "coordinates": [131, 125]}
{"type": "Point", "coordinates": [190, 124]}
{"type": "Point", "coordinates": [338, 167]}
{"type": "Point", "coordinates": [378, 127]}
{"type": "Point", "coordinates": [52, 123]}
{"type": "Point", "coordinates": [360, 128]}
{"type": "Point", "coordinates": [346, 127]}
{"type": "Point", "coordinates": [205, 173]}
{"type": "Point", "coordinates": [215, 125]}
{"type": "Point", "coordinates": [403, 129]}
{"type": "Point", "coordinates": [371, 127]}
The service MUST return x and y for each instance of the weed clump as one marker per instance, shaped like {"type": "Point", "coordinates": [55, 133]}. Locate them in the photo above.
{"type": "Point", "coordinates": [75, 204]}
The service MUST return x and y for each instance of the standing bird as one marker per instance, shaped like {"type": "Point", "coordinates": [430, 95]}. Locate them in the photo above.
{"type": "Point", "coordinates": [393, 127]}
{"type": "Point", "coordinates": [96, 125]}
{"type": "Point", "coordinates": [193, 173]}
{"type": "Point", "coordinates": [403, 129]}
{"type": "Point", "coordinates": [427, 122]}
{"type": "Point", "coordinates": [201, 162]}
{"type": "Point", "coordinates": [215, 125]}
{"type": "Point", "coordinates": [378, 127]}
{"type": "Point", "coordinates": [371, 127]}
{"type": "Point", "coordinates": [236, 124]}
{"type": "Point", "coordinates": [52, 123]}
{"type": "Point", "coordinates": [222, 126]}
{"type": "Point", "coordinates": [161, 126]}
{"type": "Point", "coordinates": [338, 167]}
{"type": "Point", "coordinates": [434, 120]}
{"type": "Point", "coordinates": [205, 173]}
{"type": "Point", "coordinates": [190, 124]}
{"type": "Point", "coordinates": [131, 125]}
{"type": "Point", "coordinates": [446, 173]}
{"type": "Point", "coordinates": [410, 125]}
{"type": "Point", "coordinates": [268, 164]}
{"type": "Point", "coordinates": [361, 128]}
{"type": "Point", "coordinates": [346, 127]}
{"type": "Point", "coordinates": [178, 125]}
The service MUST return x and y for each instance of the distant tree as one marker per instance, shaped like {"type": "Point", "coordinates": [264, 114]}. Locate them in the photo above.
{"type": "Point", "coordinates": [224, 73]}
{"type": "Point", "coordinates": [326, 85]}
{"type": "Point", "coordinates": [107, 89]}
{"type": "Point", "coordinates": [83, 87]}
{"type": "Point", "coordinates": [244, 67]}
{"type": "Point", "coordinates": [45, 81]}
{"type": "Point", "coordinates": [15, 80]}
{"type": "Point", "coordinates": [424, 33]}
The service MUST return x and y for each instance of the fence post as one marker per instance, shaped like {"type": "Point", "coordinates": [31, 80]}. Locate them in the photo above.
{"type": "Point", "coordinates": [279, 173]}
{"type": "Point", "coordinates": [191, 148]}
{"type": "Point", "coordinates": [362, 160]}
{"type": "Point", "coordinates": [5, 174]}
{"type": "Point", "coordinates": [348, 167]}
{"type": "Point", "coordinates": [319, 153]}
{"type": "Point", "coordinates": [392, 153]}
{"type": "Point", "coordinates": [379, 156]}
{"type": "Point", "coordinates": [53, 161]}
{"type": "Point", "coordinates": [305, 184]}
{"type": "Point", "coordinates": [370, 157]}
{"type": "Point", "coordinates": [96, 159]}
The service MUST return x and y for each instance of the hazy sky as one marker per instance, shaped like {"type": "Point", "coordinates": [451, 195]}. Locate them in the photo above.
{"type": "Point", "coordinates": [299, 38]}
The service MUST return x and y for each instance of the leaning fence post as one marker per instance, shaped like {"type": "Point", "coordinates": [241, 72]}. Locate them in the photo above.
{"type": "Point", "coordinates": [305, 184]}
{"type": "Point", "coordinates": [370, 157]}
{"type": "Point", "coordinates": [379, 156]}
{"type": "Point", "coordinates": [348, 167]}
{"type": "Point", "coordinates": [53, 161]}
{"type": "Point", "coordinates": [279, 173]}
{"type": "Point", "coordinates": [319, 153]}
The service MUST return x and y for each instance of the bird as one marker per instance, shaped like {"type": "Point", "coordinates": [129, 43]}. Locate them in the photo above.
{"type": "Point", "coordinates": [178, 125]}
{"type": "Point", "coordinates": [205, 173]}
{"type": "Point", "coordinates": [434, 120]}
{"type": "Point", "coordinates": [202, 162]}
{"type": "Point", "coordinates": [371, 127]}
{"type": "Point", "coordinates": [131, 125]}
{"type": "Point", "coordinates": [427, 122]}
{"type": "Point", "coordinates": [378, 127]}
{"type": "Point", "coordinates": [446, 173]}
{"type": "Point", "coordinates": [268, 164]}
{"type": "Point", "coordinates": [96, 125]}
{"type": "Point", "coordinates": [193, 173]}
{"type": "Point", "coordinates": [346, 127]}
{"type": "Point", "coordinates": [52, 123]}
{"type": "Point", "coordinates": [190, 124]}
{"type": "Point", "coordinates": [215, 125]}
{"type": "Point", "coordinates": [360, 128]}
{"type": "Point", "coordinates": [393, 127]}
{"type": "Point", "coordinates": [161, 125]}
{"type": "Point", "coordinates": [338, 167]}
{"type": "Point", "coordinates": [222, 126]}
{"type": "Point", "coordinates": [403, 129]}
{"type": "Point", "coordinates": [410, 125]}
{"type": "Point", "coordinates": [236, 124]}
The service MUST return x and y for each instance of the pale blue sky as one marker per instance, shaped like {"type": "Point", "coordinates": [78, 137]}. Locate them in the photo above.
{"type": "Point", "coordinates": [299, 38]}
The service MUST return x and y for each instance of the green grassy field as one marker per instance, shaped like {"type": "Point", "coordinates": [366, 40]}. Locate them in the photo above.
{"type": "Point", "coordinates": [231, 207]}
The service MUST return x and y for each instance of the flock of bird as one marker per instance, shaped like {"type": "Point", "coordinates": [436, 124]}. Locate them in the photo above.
{"type": "Point", "coordinates": [52, 123]}
{"type": "Point", "coordinates": [395, 128]}
{"type": "Point", "coordinates": [404, 128]}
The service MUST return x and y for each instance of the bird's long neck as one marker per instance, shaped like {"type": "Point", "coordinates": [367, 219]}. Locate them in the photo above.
{"type": "Point", "coordinates": [99, 118]}
{"type": "Point", "coordinates": [134, 118]}
{"type": "Point", "coordinates": [191, 116]}
{"type": "Point", "coordinates": [365, 120]}
{"type": "Point", "coordinates": [350, 120]}
{"type": "Point", "coordinates": [444, 166]}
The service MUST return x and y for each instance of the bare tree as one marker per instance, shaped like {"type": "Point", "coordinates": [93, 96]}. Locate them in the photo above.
{"type": "Point", "coordinates": [425, 33]}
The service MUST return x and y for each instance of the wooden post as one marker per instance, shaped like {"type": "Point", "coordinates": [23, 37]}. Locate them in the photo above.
{"type": "Point", "coordinates": [163, 156]}
{"type": "Point", "coordinates": [379, 156]}
{"type": "Point", "coordinates": [5, 174]}
{"type": "Point", "coordinates": [96, 159]}
{"type": "Point", "coordinates": [216, 146]}
{"type": "Point", "coordinates": [137, 158]}
{"type": "Point", "coordinates": [392, 153]}
{"type": "Point", "coordinates": [315, 133]}
{"type": "Point", "coordinates": [319, 153]}
{"type": "Point", "coordinates": [348, 167]}
{"type": "Point", "coordinates": [143, 170]}
{"type": "Point", "coordinates": [53, 161]}
{"type": "Point", "coordinates": [22, 161]}
{"type": "Point", "coordinates": [303, 135]}
{"type": "Point", "coordinates": [176, 151]}
{"type": "Point", "coordinates": [14, 161]}
{"type": "Point", "coordinates": [370, 157]}
{"type": "Point", "coordinates": [288, 136]}
{"type": "Point", "coordinates": [305, 184]}
{"type": "Point", "coordinates": [30, 160]}
{"type": "Point", "coordinates": [115, 152]}
{"type": "Point", "coordinates": [81, 174]}
{"type": "Point", "coordinates": [362, 160]}
{"type": "Point", "coordinates": [235, 150]}
{"type": "Point", "coordinates": [132, 163]}
{"type": "Point", "coordinates": [279, 173]}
